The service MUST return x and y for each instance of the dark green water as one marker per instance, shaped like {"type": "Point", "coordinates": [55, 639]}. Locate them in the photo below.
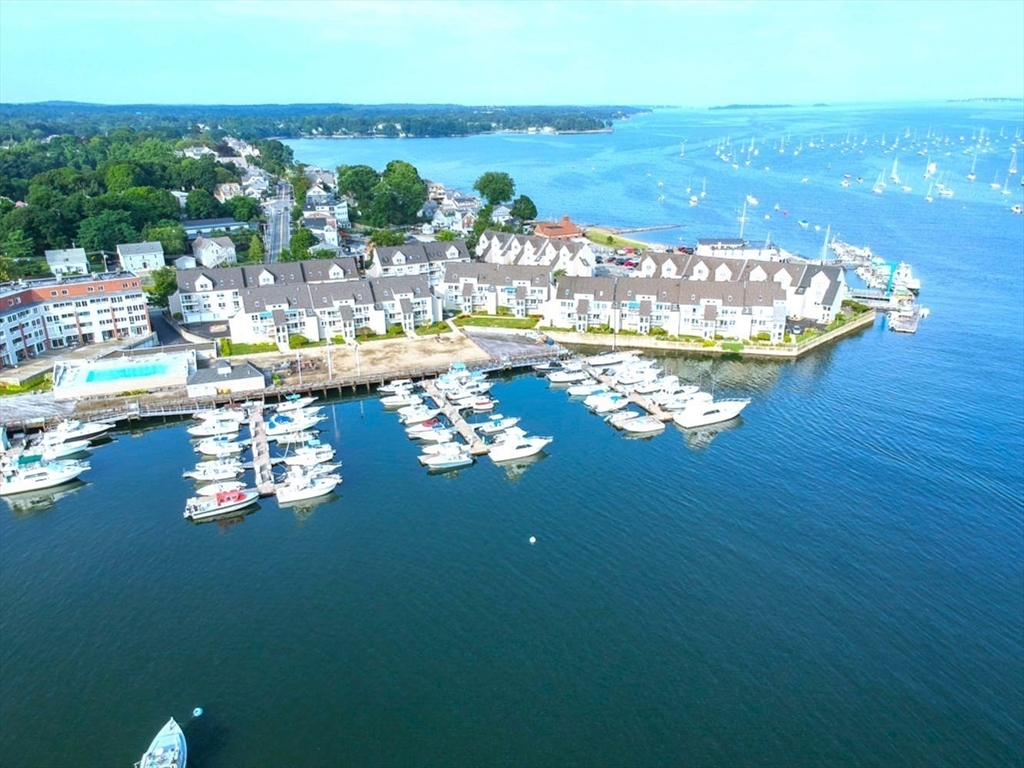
{"type": "Point", "coordinates": [836, 580]}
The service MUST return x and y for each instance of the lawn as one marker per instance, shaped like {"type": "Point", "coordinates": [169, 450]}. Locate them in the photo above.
{"type": "Point", "coordinates": [494, 321]}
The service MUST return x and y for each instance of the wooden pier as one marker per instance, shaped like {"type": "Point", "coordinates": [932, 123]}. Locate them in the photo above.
{"type": "Point", "coordinates": [261, 464]}
{"type": "Point", "coordinates": [477, 447]}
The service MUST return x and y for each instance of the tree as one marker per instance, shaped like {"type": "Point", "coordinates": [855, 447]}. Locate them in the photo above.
{"type": "Point", "coordinates": [483, 221]}
{"type": "Point", "coordinates": [299, 247]}
{"type": "Point", "coordinates": [200, 204]}
{"type": "Point", "coordinates": [18, 245]}
{"type": "Point", "coordinates": [524, 209]}
{"type": "Point", "coordinates": [169, 234]}
{"type": "Point", "coordinates": [322, 253]}
{"type": "Point", "coordinates": [495, 187]}
{"type": "Point", "coordinates": [445, 236]}
{"type": "Point", "coordinates": [409, 191]}
{"type": "Point", "coordinates": [243, 208]}
{"type": "Point", "coordinates": [358, 181]}
{"type": "Point", "coordinates": [386, 237]}
{"type": "Point", "coordinates": [105, 230]}
{"type": "Point", "coordinates": [165, 282]}
{"type": "Point", "coordinates": [257, 252]}
{"type": "Point", "coordinates": [120, 177]}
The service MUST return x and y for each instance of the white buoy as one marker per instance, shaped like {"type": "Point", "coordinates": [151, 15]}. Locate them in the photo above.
{"type": "Point", "coordinates": [533, 540]}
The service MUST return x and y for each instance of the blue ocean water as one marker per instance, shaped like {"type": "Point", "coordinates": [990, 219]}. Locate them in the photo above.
{"type": "Point", "coordinates": [837, 579]}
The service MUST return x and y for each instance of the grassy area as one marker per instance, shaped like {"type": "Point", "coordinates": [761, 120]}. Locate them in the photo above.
{"type": "Point", "coordinates": [394, 332]}
{"type": "Point", "coordinates": [433, 329]}
{"type": "Point", "coordinates": [42, 384]}
{"type": "Point", "coordinates": [232, 348]}
{"type": "Point", "coordinates": [494, 321]}
{"type": "Point", "coordinates": [600, 236]}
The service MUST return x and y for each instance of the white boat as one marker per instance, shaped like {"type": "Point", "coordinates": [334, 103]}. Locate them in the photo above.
{"type": "Point", "coordinates": [703, 409]}
{"type": "Point", "coordinates": [484, 404]}
{"type": "Point", "coordinates": [294, 403]}
{"type": "Point", "coordinates": [423, 426]}
{"type": "Point", "coordinates": [606, 359]}
{"type": "Point", "coordinates": [568, 376]}
{"type": "Point", "coordinates": [71, 429]}
{"type": "Point", "coordinates": [451, 460]}
{"type": "Point", "coordinates": [302, 487]}
{"type": "Point", "coordinates": [401, 400]}
{"type": "Point", "coordinates": [586, 388]}
{"type": "Point", "coordinates": [224, 445]}
{"type": "Point", "coordinates": [671, 392]}
{"type": "Point", "coordinates": [497, 423]}
{"type": "Point", "coordinates": [313, 453]}
{"type": "Point", "coordinates": [751, 200]}
{"type": "Point", "coordinates": [213, 471]}
{"type": "Point", "coordinates": [393, 386]}
{"type": "Point", "coordinates": [30, 474]}
{"type": "Point", "coordinates": [222, 487]}
{"type": "Point", "coordinates": [47, 450]}
{"type": "Point", "coordinates": [606, 403]}
{"type": "Point", "coordinates": [658, 384]}
{"type": "Point", "coordinates": [167, 749]}
{"type": "Point", "coordinates": [515, 444]}
{"type": "Point", "coordinates": [435, 435]}
{"type": "Point", "coordinates": [296, 438]}
{"type": "Point", "coordinates": [284, 424]}
{"type": "Point", "coordinates": [644, 425]}
{"type": "Point", "coordinates": [619, 418]}
{"type": "Point", "coordinates": [215, 427]}
{"type": "Point", "coordinates": [418, 415]}
{"type": "Point", "coordinates": [206, 507]}
{"type": "Point", "coordinates": [220, 414]}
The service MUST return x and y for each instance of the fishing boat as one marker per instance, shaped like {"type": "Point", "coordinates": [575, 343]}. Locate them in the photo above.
{"type": "Point", "coordinates": [220, 414]}
{"type": "Point", "coordinates": [394, 386]}
{"type": "Point", "coordinates": [619, 418]}
{"type": "Point", "coordinates": [32, 474]}
{"type": "Point", "coordinates": [401, 399]}
{"type": "Point", "coordinates": [213, 471]}
{"type": "Point", "coordinates": [284, 424]}
{"type": "Point", "coordinates": [586, 387]}
{"type": "Point", "coordinates": [314, 452]}
{"type": "Point", "coordinates": [206, 507]}
{"type": "Point", "coordinates": [423, 426]}
{"type": "Point", "coordinates": [703, 410]}
{"type": "Point", "coordinates": [71, 429]}
{"type": "Point", "coordinates": [497, 423]}
{"type": "Point", "coordinates": [515, 444]}
{"type": "Point", "coordinates": [215, 427]}
{"type": "Point", "coordinates": [644, 425]}
{"type": "Point", "coordinates": [294, 403]}
{"type": "Point", "coordinates": [224, 486]}
{"type": "Point", "coordinates": [167, 749]}
{"type": "Point", "coordinates": [447, 456]}
{"type": "Point", "coordinates": [567, 376]}
{"type": "Point", "coordinates": [48, 450]}
{"type": "Point", "coordinates": [223, 445]}
{"type": "Point", "coordinates": [301, 487]}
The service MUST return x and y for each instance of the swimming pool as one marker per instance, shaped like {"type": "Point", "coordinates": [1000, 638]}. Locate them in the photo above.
{"type": "Point", "coordinates": [129, 371]}
{"type": "Point", "coordinates": [73, 380]}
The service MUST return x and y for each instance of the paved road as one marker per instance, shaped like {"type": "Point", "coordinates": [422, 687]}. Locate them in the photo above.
{"type": "Point", "coordinates": [278, 213]}
{"type": "Point", "coordinates": [165, 332]}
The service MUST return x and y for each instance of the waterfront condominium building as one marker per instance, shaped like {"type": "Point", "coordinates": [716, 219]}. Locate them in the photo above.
{"type": "Point", "coordinates": [60, 312]}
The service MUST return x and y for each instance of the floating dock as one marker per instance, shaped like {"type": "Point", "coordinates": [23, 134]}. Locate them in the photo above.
{"type": "Point", "coordinates": [477, 447]}
{"type": "Point", "coordinates": [261, 463]}
{"type": "Point", "coordinates": [644, 403]}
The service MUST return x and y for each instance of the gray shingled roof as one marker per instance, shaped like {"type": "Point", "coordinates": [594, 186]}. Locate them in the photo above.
{"type": "Point", "coordinates": [212, 375]}
{"type": "Point", "coordinates": [134, 249]}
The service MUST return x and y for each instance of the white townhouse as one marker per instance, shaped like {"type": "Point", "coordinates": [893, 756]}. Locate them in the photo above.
{"type": "Point", "coordinates": [66, 311]}
{"type": "Point", "coordinates": [704, 309]}
{"type": "Point", "coordinates": [337, 208]}
{"type": "Point", "coordinates": [68, 261]}
{"type": "Point", "coordinates": [574, 259]}
{"type": "Point", "coordinates": [481, 287]}
{"type": "Point", "coordinates": [214, 295]}
{"type": "Point", "coordinates": [417, 258]}
{"type": "Point", "coordinates": [324, 229]}
{"type": "Point", "coordinates": [225, 192]}
{"type": "Point", "coordinates": [213, 251]}
{"type": "Point", "coordinates": [141, 258]}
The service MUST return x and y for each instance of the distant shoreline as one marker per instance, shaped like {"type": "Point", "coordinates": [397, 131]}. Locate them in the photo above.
{"type": "Point", "coordinates": [453, 135]}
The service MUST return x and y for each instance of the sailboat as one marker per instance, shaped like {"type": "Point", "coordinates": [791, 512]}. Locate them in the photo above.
{"type": "Point", "coordinates": [1013, 162]}
{"type": "Point", "coordinates": [928, 198]}
{"type": "Point", "coordinates": [894, 176]}
{"type": "Point", "coordinates": [879, 187]}
{"type": "Point", "coordinates": [971, 176]}
{"type": "Point", "coordinates": [995, 181]}
{"type": "Point", "coordinates": [703, 187]}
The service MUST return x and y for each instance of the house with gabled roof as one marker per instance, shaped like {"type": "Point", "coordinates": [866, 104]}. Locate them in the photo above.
{"type": "Point", "coordinates": [67, 261]}
{"type": "Point", "coordinates": [575, 259]}
{"type": "Point", "coordinates": [214, 251]}
{"type": "Point", "coordinates": [417, 259]}
{"type": "Point", "coordinates": [481, 287]}
{"type": "Point", "coordinates": [557, 230]}
{"type": "Point", "coordinates": [140, 258]}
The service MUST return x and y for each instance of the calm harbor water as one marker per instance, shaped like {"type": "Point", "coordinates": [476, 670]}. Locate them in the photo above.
{"type": "Point", "coordinates": [836, 579]}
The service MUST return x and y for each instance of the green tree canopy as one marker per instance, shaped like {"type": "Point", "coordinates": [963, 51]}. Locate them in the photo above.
{"type": "Point", "coordinates": [495, 187]}
{"type": "Point", "coordinates": [243, 208]}
{"type": "Point", "coordinates": [169, 234]}
{"type": "Point", "coordinates": [105, 230]}
{"type": "Point", "coordinates": [445, 236]}
{"type": "Point", "coordinates": [299, 247]}
{"type": "Point", "coordinates": [165, 283]}
{"type": "Point", "coordinates": [122, 176]}
{"type": "Point", "coordinates": [386, 237]}
{"type": "Point", "coordinates": [524, 209]}
{"type": "Point", "coordinates": [18, 245]}
{"type": "Point", "coordinates": [200, 204]}
{"type": "Point", "coordinates": [257, 251]}
{"type": "Point", "coordinates": [357, 181]}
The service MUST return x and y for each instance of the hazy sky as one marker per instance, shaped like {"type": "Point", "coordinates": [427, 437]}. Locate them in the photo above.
{"type": "Point", "coordinates": [466, 52]}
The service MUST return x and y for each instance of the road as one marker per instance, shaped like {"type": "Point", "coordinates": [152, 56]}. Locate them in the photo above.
{"type": "Point", "coordinates": [278, 213]}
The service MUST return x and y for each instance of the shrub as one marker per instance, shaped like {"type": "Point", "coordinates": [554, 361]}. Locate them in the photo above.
{"type": "Point", "coordinates": [225, 347]}
{"type": "Point", "coordinates": [763, 336]}
{"type": "Point", "coordinates": [708, 343]}
{"type": "Point", "coordinates": [657, 330]}
{"type": "Point", "coordinates": [504, 311]}
{"type": "Point", "coordinates": [297, 341]}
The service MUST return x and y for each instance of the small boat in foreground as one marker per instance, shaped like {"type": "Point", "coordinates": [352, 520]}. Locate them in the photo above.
{"type": "Point", "coordinates": [167, 749]}
{"type": "Point", "coordinates": [34, 475]}
{"type": "Point", "coordinates": [644, 425]}
{"type": "Point", "coordinates": [302, 486]}
{"type": "Point", "coordinates": [206, 507]}
{"type": "Point", "coordinates": [295, 402]}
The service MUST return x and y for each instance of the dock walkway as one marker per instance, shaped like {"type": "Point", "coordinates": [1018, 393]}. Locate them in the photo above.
{"type": "Point", "coordinates": [477, 447]}
{"type": "Point", "coordinates": [644, 403]}
{"type": "Point", "coordinates": [261, 464]}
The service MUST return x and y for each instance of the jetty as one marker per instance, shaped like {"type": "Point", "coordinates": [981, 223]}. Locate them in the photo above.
{"type": "Point", "coordinates": [261, 463]}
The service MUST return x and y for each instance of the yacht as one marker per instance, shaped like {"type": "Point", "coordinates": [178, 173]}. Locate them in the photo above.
{"type": "Point", "coordinates": [703, 409]}
{"type": "Point", "coordinates": [167, 749]}
{"type": "Point", "coordinates": [284, 424]}
{"type": "Point", "coordinates": [401, 399]}
{"type": "Point", "coordinates": [393, 386]}
{"type": "Point", "coordinates": [423, 426]}
{"type": "Point", "coordinates": [206, 507]}
{"type": "Point", "coordinates": [644, 425]}
{"type": "Point", "coordinates": [606, 403]}
{"type": "Point", "coordinates": [220, 414]}
{"type": "Point", "coordinates": [303, 486]}
{"type": "Point", "coordinates": [434, 435]}
{"type": "Point", "coordinates": [313, 453]}
{"type": "Point", "coordinates": [215, 427]}
{"type": "Point", "coordinates": [619, 418]}
{"type": "Point", "coordinates": [47, 450]}
{"type": "Point", "coordinates": [497, 423]}
{"type": "Point", "coordinates": [515, 444]}
{"type": "Point", "coordinates": [413, 414]}
{"type": "Point", "coordinates": [70, 429]}
{"type": "Point", "coordinates": [296, 438]}
{"type": "Point", "coordinates": [447, 456]}
{"type": "Point", "coordinates": [34, 475]}
{"type": "Point", "coordinates": [586, 387]}
{"type": "Point", "coordinates": [213, 471]}
{"type": "Point", "coordinates": [223, 486]}
{"type": "Point", "coordinates": [223, 445]}
{"type": "Point", "coordinates": [606, 359]}
{"type": "Point", "coordinates": [294, 403]}
{"type": "Point", "coordinates": [567, 376]}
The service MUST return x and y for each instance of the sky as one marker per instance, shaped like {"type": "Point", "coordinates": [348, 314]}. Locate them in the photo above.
{"type": "Point", "coordinates": [473, 52]}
